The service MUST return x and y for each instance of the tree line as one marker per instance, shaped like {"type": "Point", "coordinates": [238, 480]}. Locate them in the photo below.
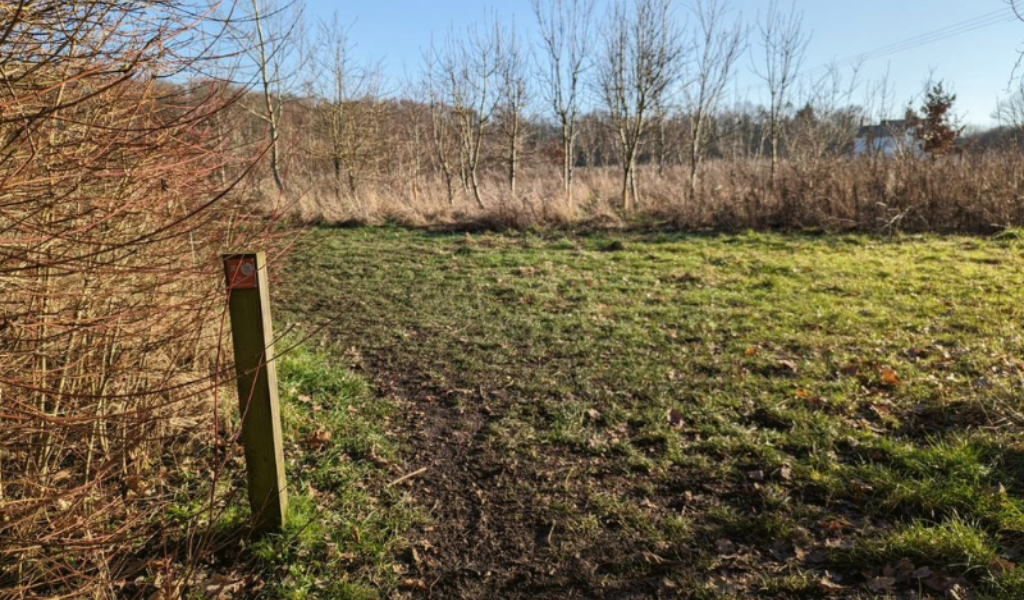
{"type": "Point", "coordinates": [650, 83]}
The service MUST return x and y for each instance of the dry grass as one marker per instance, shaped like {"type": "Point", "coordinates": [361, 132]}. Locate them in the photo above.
{"type": "Point", "coordinates": [970, 193]}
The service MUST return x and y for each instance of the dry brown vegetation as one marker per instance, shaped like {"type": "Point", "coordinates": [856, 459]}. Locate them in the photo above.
{"type": "Point", "coordinates": [114, 205]}
{"type": "Point", "coordinates": [975, 193]}
{"type": "Point", "coordinates": [622, 119]}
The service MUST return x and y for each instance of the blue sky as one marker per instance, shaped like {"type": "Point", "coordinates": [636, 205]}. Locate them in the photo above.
{"type": "Point", "coordinates": [976, 64]}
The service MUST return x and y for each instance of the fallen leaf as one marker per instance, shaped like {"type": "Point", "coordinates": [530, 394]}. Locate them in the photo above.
{"type": "Point", "coordinates": [593, 414]}
{"type": "Point", "coordinates": [757, 475]}
{"type": "Point", "coordinates": [889, 377]}
{"type": "Point", "coordinates": [318, 439]}
{"type": "Point", "coordinates": [222, 587]}
{"type": "Point", "coordinates": [996, 490]}
{"type": "Point", "coordinates": [882, 584]}
{"type": "Point", "coordinates": [903, 570]}
{"type": "Point", "coordinates": [861, 486]}
{"type": "Point", "coordinates": [1001, 566]}
{"type": "Point", "coordinates": [881, 411]}
{"type": "Point", "coordinates": [675, 418]}
{"type": "Point", "coordinates": [836, 525]}
{"type": "Point", "coordinates": [939, 582]}
{"type": "Point", "coordinates": [751, 351]}
{"type": "Point", "coordinates": [785, 473]}
{"type": "Point", "coordinates": [922, 573]}
{"type": "Point", "coordinates": [826, 584]}
{"type": "Point", "coordinates": [724, 586]}
{"type": "Point", "coordinates": [414, 584]}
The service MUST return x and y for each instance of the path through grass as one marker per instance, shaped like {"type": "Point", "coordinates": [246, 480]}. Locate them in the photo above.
{"type": "Point", "coordinates": [649, 415]}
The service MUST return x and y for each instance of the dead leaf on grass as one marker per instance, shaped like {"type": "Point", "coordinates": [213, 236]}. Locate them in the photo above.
{"type": "Point", "coordinates": [836, 525]}
{"type": "Point", "coordinates": [318, 439]}
{"type": "Point", "coordinates": [889, 377]}
{"type": "Point", "coordinates": [996, 490]}
{"type": "Point", "coordinates": [593, 414]}
{"type": "Point", "coordinates": [939, 582]}
{"type": "Point", "coordinates": [1000, 566]}
{"type": "Point", "coordinates": [414, 584]}
{"type": "Point", "coordinates": [828, 585]}
{"type": "Point", "coordinates": [725, 586]}
{"type": "Point", "coordinates": [222, 587]}
{"type": "Point", "coordinates": [839, 543]}
{"type": "Point", "coordinates": [724, 546]}
{"type": "Point", "coordinates": [882, 584]}
{"type": "Point", "coordinates": [675, 418]}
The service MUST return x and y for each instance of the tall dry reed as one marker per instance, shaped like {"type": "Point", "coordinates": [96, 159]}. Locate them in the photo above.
{"type": "Point", "coordinates": [972, 193]}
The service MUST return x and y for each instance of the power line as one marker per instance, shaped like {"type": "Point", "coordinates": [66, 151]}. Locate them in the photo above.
{"type": "Point", "coordinates": [1003, 15]}
{"type": "Point", "coordinates": [994, 18]}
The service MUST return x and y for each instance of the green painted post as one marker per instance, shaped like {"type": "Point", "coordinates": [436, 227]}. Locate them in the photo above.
{"type": "Point", "coordinates": [256, 371]}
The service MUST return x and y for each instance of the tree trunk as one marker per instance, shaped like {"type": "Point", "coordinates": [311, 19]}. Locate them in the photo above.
{"type": "Point", "coordinates": [475, 185]}
{"type": "Point", "coordinates": [449, 182]}
{"type": "Point", "coordinates": [567, 161]}
{"type": "Point", "coordinates": [513, 155]}
{"type": "Point", "coordinates": [696, 133]}
{"type": "Point", "coordinates": [629, 187]}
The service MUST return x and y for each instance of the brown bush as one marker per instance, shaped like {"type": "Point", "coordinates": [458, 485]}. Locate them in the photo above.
{"type": "Point", "coordinates": [114, 206]}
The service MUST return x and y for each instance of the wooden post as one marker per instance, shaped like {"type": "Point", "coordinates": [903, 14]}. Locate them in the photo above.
{"type": "Point", "coordinates": [256, 372]}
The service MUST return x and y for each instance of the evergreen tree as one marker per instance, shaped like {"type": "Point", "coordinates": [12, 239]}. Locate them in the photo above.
{"type": "Point", "coordinates": [935, 128]}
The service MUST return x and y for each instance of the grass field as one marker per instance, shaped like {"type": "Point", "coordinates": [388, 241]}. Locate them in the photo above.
{"type": "Point", "coordinates": [652, 415]}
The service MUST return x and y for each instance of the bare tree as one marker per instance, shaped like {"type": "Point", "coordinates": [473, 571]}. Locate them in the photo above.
{"type": "Point", "coordinates": [349, 111]}
{"type": "Point", "coordinates": [642, 55]}
{"type": "Point", "coordinates": [468, 71]}
{"type": "Point", "coordinates": [565, 29]}
{"type": "Point", "coordinates": [269, 33]}
{"type": "Point", "coordinates": [717, 45]}
{"type": "Point", "coordinates": [784, 44]}
{"type": "Point", "coordinates": [442, 127]}
{"type": "Point", "coordinates": [1018, 10]}
{"type": "Point", "coordinates": [828, 121]}
{"type": "Point", "coordinates": [513, 98]}
{"type": "Point", "coordinates": [1010, 110]}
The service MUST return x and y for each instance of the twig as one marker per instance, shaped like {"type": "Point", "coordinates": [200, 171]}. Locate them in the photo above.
{"type": "Point", "coordinates": [407, 476]}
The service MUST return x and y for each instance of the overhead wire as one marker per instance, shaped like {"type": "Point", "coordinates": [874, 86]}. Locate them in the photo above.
{"type": "Point", "coordinates": [980, 22]}
{"type": "Point", "coordinates": [1003, 15]}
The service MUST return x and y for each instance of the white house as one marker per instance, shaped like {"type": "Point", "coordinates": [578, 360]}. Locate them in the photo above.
{"type": "Point", "coordinates": [889, 139]}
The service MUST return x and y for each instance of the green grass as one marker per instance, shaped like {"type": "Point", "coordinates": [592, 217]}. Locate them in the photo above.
{"type": "Point", "coordinates": [835, 392]}
{"type": "Point", "coordinates": [345, 528]}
